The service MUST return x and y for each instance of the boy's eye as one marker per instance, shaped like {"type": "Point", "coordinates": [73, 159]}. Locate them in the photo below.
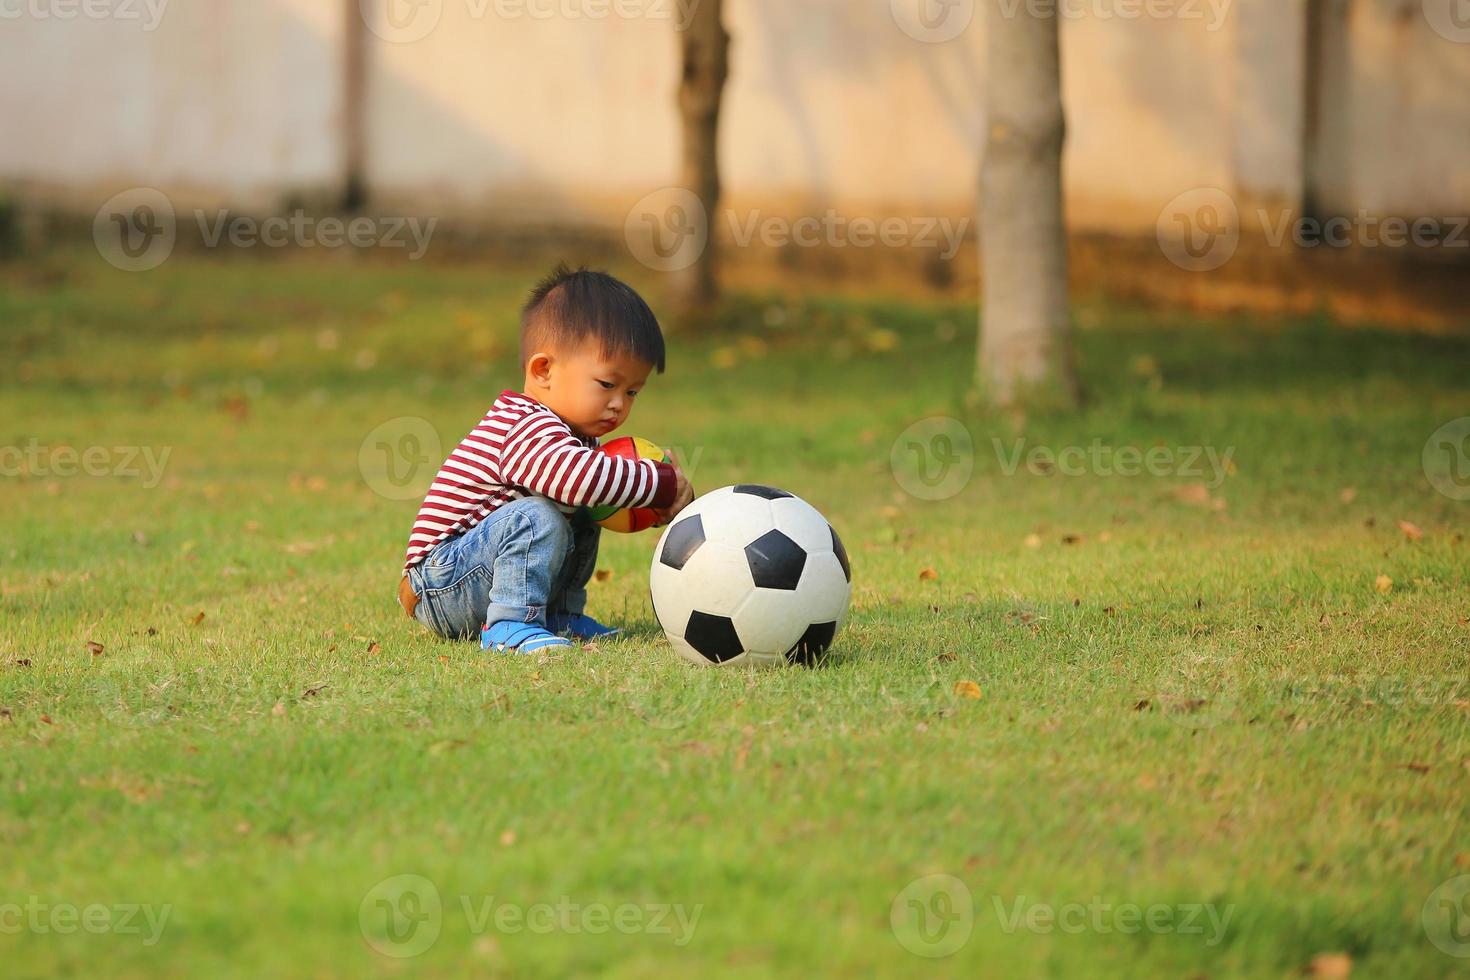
{"type": "Point", "coordinates": [605, 384]}
{"type": "Point", "coordinates": [632, 392]}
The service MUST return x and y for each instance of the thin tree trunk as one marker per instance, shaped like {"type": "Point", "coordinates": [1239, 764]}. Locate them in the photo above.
{"type": "Point", "coordinates": [1026, 343]}
{"type": "Point", "coordinates": [706, 49]}
{"type": "Point", "coordinates": [353, 193]}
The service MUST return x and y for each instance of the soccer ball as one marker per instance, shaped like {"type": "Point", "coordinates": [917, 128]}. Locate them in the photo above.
{"type": "Point", "coordinates": [750, 576]}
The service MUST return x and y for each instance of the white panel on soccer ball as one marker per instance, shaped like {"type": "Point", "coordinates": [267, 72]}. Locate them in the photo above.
{"type": "Point", "coordinates": [770, 621]}
{"type": "Point", "coordinates": [672, 603]}
{"type": "Point", "coordinates": [802, 523]}
{"type": "Point", "coordinates": [736, 519]}
{"type": "Point", "coordinates": [824, 590]}
{"type": "Point", "coordinates": [716, 578]}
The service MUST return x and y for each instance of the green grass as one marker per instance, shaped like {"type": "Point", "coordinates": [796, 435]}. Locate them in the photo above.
{"type": "Point", "coordinates": [1202, 699]}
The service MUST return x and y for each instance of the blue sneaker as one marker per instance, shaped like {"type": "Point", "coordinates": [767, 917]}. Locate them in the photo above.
{"type": "Point", "coordinates": [508, 637]}
{"type": "Point", "coordinates": [580, 626]}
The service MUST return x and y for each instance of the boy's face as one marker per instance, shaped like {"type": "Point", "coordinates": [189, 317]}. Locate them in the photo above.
{"type": "Point", "coordinates": [593, 394]}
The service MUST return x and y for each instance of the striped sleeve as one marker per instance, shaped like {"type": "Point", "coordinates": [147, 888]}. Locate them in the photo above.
{"type": "Point", "coordinates": [541, 454]}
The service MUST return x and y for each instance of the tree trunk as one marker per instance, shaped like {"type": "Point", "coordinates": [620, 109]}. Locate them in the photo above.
{"type": "Point", "coordinates": [1026, 343]}
{"type": "Point", "coordinates": [353, 194]}
{"type": "Point", "coordinates": [705, 48]}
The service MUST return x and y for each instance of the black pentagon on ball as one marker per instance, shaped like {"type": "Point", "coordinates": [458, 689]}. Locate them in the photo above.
{"type": "Point", "coordinates": [808, 650]}
{"type": "Point", "coordinates": [756, 490]}
{"type": "Point", "coordinates": [775, 561]}
{"type": "Point", "coordinates": [683, 541]}
{"type": "Point", "coordinates": [841, 553]}
{"type": "Point", "coordinates": [713, 636]}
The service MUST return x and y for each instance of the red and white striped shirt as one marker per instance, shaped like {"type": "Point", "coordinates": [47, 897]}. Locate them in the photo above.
{"type": "Point", "coordinates": [521, 448]}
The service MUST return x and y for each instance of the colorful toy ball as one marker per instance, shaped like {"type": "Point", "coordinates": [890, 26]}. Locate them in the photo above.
{"type": "Point", "coordinates": [626, 520]}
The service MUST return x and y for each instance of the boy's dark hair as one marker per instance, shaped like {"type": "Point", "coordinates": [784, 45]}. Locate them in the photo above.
{"type": "Point", "coordinates": [569, 308]}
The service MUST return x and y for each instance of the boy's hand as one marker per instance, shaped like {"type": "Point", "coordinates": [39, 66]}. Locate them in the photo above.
{"type": "Point", "coordinates": [683, 495]}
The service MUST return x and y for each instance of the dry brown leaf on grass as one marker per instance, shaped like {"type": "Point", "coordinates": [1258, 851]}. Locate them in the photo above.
{"type": "Point", "coordinates": [967, 690]}
{"type": "Point", "coordinates": [602, 574]}
{"type": "Point", "coordinates": [928, 575]}
{"type": "Point", "coordinates": [1383, 584]}
{"type": "Point", "coordinates": [1332, 966]}
{"type": "Point", "coordinates": [1194, 493]}
{"type": "Point", "coordinates": [197, 619]}
{"type": "Point", "coordinates": [1411, 530]}
{"type": "Point", "coordinates": [95, 648]}
{"type": "Point", "coordinates": [373, 647]}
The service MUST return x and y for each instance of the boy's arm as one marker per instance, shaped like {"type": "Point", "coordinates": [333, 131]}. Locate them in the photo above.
{"type": "Point", "coordinates": [542, 455]}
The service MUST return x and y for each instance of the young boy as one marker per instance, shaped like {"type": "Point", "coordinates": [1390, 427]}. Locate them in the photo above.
{"type": "Point", "coordinates": [502, 543]}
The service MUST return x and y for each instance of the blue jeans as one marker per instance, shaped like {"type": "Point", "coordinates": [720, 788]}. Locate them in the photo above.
{"type": "Point", "coordinates": [524, 560]}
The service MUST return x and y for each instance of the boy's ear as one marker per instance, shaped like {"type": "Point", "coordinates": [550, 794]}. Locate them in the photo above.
{"type": "Point", "coordinates": [538, 368]}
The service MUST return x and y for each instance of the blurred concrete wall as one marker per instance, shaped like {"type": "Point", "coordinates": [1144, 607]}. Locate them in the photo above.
{"type": "Point", "coordinates": [532, 109]}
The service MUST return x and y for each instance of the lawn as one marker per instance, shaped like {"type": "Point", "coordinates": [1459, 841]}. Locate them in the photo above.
{"type": "Point", "coordinates": [1212, 719]}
